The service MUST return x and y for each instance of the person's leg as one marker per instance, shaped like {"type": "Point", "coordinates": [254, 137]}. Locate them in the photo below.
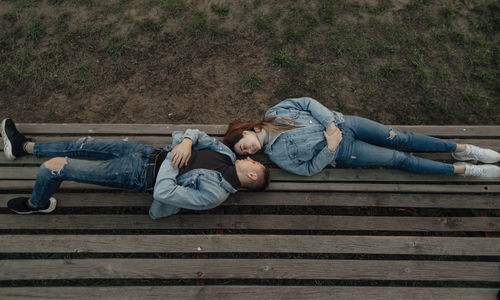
{"type": "Point", "coordinates": [357, 153]}
{"type": "Point", "coordinates": [124, 172]}
{"type": "Point", "coordinates": [89, 147]}
{"type": "Point", "coordinates": [378, 134]}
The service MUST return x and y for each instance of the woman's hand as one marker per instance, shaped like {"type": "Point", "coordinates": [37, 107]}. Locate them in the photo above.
{"type": "Point", "coordinates": [333, 137]}
{"type": "Point", "coordinates": [181, 153]}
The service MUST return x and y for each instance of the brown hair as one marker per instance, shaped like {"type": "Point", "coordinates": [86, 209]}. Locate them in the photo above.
{"type": "Point", "coordinates": [235, 130]}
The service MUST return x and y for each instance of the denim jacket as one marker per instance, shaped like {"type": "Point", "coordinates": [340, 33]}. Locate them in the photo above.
{"type": "Point", "coordinates": [197, 189]}
{"type": "Point", "coordinates": [303, 150]}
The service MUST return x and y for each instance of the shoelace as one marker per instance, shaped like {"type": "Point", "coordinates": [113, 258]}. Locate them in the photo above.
{"type": "Point", "coordinates": [476, 171]}
{"type": "Point", "coordinates": [473, 151]}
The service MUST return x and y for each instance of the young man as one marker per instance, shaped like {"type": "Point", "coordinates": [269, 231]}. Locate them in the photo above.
{"type": "Point", "coordinates": [195, 172]}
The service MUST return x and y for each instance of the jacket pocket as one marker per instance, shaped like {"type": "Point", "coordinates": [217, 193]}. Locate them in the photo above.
{"type": "Point", "coordinates": [291, 149]}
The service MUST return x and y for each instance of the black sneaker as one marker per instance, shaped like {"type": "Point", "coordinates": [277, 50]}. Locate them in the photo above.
{"type": "Point", "coordinates": [13, 140]}
{"type": "Point", "coordinates": [20, 205]}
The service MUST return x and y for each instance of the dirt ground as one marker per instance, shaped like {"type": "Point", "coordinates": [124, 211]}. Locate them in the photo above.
{"type": "Point", "coordinates": [398, 62]}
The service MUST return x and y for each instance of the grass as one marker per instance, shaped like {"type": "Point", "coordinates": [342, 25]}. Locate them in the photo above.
{"type": "Point", "coordinates": [115, 46]}
{"type": "Point", "coordinates": [253, 81]}
{"type": "Point", "coordinates": [417, 58]}
{"type": "Point", "coordinates": [220, 10]}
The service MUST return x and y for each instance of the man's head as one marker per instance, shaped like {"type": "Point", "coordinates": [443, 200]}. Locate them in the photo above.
{"type": "Point", "coordinates": [252, 174]}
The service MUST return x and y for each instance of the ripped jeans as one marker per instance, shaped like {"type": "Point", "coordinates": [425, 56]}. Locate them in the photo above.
{"type": "Point", "coordinates": [115, 163]}
{"type": "Point", "coordinates": [367, 143]}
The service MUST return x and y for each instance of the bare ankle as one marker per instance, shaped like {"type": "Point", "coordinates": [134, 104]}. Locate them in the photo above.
{"type": "Point", "coordinates": [460, 148]}
{"type": "Point", "coordinates": [29, 147]}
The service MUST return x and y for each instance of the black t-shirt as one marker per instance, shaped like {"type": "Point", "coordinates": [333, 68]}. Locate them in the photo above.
{"type": "Point", "coordinates": [211, 160]}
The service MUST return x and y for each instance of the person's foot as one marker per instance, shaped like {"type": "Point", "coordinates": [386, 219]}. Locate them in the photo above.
{"type": "Point", "coordinates": [480, 171]}
{"type": "Point", "coordinates": [20, 206]}
{"type": "Point", "coordinates": [472, 152]}
{"type": "Point", "coordinates": [13, 140]}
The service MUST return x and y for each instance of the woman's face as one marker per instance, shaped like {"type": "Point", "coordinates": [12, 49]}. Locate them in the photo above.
{"type": "Point", "coordinates": [248, 144]}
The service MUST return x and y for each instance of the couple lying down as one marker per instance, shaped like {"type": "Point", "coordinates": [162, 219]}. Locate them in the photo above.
{"type": "Point", "coordinates": [198, 172]}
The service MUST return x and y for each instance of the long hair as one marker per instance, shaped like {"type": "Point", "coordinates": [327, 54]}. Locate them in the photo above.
{"type": "Point", "coordinates": [235, 130]}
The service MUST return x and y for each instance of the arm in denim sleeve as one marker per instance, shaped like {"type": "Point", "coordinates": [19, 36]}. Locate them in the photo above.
{"type": "Point", "coordinates": [200, 139]}
{"type": "Point", "coordinates": [312, 167]}
{"type": "Point", "coordinates": [168, 192]}
{"type": "Point", "coordinates": [317, 110]}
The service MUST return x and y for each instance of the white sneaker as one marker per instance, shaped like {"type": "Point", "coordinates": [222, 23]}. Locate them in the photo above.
{"type": "Point", "coordinates": [472, 152]}
{"type": "Point", "coordinates": [480, 171]}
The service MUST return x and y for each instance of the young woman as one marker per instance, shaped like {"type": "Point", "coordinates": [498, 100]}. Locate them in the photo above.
{"type": "Point", "coordinates": [302, 136]}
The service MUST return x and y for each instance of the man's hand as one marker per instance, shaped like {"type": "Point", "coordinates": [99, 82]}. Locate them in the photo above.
{"type": "Point", "coordinates": [333, 137]}
{"type": "Point", "coordinates": [181, 153]}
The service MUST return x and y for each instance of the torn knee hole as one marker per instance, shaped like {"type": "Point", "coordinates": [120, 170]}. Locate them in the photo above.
{"type": "Point", "coordinates": [56, 164]}
{"type": "Point", "coordinates": [392, 134]}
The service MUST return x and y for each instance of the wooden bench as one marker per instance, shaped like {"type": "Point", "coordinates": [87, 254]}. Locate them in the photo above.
{"type": "Point", "coordinates": [343, 234]}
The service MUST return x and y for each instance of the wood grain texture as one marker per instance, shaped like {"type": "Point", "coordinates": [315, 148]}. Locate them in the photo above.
{"type": "Point", "coordinates": [409, 245]}
{"type": "Point", "coordinates": [215, 129]}
{"type": "Point", "coordinates": [247, 293]}
{"type": "Point", "coordinates": [327, 175]}
{"type": "Point", "coordinates": [486, 188]}
{"type": "Point", "coordinates": [162, 141]}
{"type": "Point", "coordinates": [271, 222]}
{"type": "Point", "coordinates": [125, 199]}
{"type": "Point", "coordinates": [22, 269]}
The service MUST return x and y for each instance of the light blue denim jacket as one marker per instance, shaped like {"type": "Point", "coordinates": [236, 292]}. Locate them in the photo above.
{"type": "Point", "coordinates": [303, 150]}
{"type": "Point", "coordinates": [197, 189]}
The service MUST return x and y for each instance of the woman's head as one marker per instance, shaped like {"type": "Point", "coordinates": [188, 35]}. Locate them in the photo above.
{"type": "Point", "coordinates": [242, 137]}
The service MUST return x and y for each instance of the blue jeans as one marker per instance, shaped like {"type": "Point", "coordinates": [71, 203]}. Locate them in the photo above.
{"type": "Point", "coordinates": [116, 163]}
{"type": "Point", "coordinates": [366, 143]}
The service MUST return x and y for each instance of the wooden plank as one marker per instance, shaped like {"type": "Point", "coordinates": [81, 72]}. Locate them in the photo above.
{"type": "Point", "coordinates": [30, 160]}
{"type": "Point", "coordinates": [247, 293]}
{"type": "Point", "coordinates": [327, 175]}
{"type": "Point", "coordinates": [382, 187]}
{"type": "Point", "coordinates": [487, 188]}
{"type": "Point", "coordinates": [21, 269]}
{"type": "Point", "coordinates": [478, 201]}
{"type": "Point", "coordinates": [116, 129]}
{"type": "Point", "coordinates": [260, 222]}
{"type": "Point", "coordinates": [407, 245]}
{"type": "Point", "coordinates": [472, 201]}
{"type": "Point", "coordinates": [155, 141]}
{"type": "Point", "coordinates": [287, 199]}
{"type": "Point", "coordinates": [162, 141]}
{"type": "Point", "coordinates": [92, 199]}
{"type": "Point", "coordinates": [220, 129]}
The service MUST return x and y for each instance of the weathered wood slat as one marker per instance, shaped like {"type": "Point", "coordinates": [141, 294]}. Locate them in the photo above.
{"type": "Point", "coordinates": [472, 201]}
{"type": "Point", "coordinates": [162, 141]}
{"type": "Point", "coordinates": [250, 268]}
{"type": "Point", "coordinates": [383, 187]}
{"type": "Point", "coordinates": [247, 293]}
{"type": "Point", "coordinates": [263, 222]}
{"type": "Point", "coordinates": [409, 245]}
{"type": "Point", "coordinates": [487, 188]}
{"type": "Point", "coordinates": [155, 141]}
{"type": "Point", "coordinates": [343, 175]}
{"type": "Point", "coordinates": [161, 129]}
{"type": "Point", "coordinates": [120, 129]}
{"type": "Point", "coordinates": [30, 160]}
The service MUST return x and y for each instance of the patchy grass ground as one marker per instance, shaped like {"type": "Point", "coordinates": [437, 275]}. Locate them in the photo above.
{"type": "Point", "coordinates": [174, 61]}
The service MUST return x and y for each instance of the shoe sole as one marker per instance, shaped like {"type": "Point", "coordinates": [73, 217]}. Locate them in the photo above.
{"type": "Point", "coordinates": [474, 160]}
{"type": "Point", "coordinates": [51, 208]}
{"type": "Point", "coordinates": [7, 146]}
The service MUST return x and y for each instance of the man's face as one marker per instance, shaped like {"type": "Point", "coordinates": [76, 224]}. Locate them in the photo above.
{"type": "Point", "coordinates": [249, 165]}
